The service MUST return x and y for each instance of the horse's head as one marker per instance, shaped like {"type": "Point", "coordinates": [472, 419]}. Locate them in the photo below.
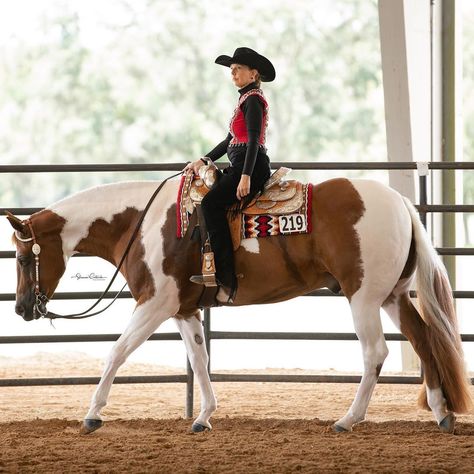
{"type": "Point", "coordinates": [39, 261]}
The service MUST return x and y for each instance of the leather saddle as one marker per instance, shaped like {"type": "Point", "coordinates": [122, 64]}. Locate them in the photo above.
{"type": "Point", "coordinates": [279, 197]}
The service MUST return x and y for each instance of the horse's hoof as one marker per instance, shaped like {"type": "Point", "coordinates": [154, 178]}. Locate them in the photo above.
{"type": "Point", "coordinates": [198, 428]}
{"type": "Point", "coordinates": [90, 425]}
{"type": "Point", "coordinates": [446, 425]}
{"type": "Point", "coordinates": [339, 428]}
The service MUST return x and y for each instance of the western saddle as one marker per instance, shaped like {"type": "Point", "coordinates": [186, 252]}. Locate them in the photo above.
{"type": "Point", "coordinates": [279, 197]}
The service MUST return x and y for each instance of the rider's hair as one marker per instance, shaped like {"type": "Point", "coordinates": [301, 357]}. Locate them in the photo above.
{"type": "Point", "coordinates": [258, 79]}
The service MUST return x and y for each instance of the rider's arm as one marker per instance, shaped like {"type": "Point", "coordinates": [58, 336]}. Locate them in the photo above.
{"type": "Point", "coordinates": [220, 149]}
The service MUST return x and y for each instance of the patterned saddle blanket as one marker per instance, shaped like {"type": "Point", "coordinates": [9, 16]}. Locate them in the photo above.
{"type": "Point", "coordinates": [284, 207]}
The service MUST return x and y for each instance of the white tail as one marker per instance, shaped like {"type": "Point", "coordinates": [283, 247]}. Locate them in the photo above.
{"type": "Point", "coordinates": [437, 310]}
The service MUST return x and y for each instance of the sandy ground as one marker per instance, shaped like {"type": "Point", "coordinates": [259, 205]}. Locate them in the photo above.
{"type": "Point", "coordinates": [259, 427]}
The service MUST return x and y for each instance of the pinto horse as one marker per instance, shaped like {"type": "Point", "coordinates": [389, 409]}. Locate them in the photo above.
{"type": "Point", "coordinates": [367, 239]}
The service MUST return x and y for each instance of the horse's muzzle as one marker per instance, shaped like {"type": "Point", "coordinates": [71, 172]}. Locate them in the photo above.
{"type": "Point", "coordinates": [26, 308]}
{"type": "Point", "coordinates": [26, 312]}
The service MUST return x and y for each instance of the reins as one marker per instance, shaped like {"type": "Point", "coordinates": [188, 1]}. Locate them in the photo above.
{"type": "Point", "coordinates": [41, 298]}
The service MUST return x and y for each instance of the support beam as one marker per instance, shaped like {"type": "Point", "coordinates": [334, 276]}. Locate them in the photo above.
{"type": "Point", "coordinates": [451, 125]}
{"type": "Point", "coordinates": [405, 38]}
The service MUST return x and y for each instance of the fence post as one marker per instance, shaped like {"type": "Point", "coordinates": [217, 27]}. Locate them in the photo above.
{"type": "Point", "coordinates": [207, 334]}
{"type": "Point", "coordinates": [189, 371]}
{"type": "Point", "coordinates": [189, 390]}
{"type": "Point", "coordinates": [423, 197]}
{"type": "Point", "coordinates": [423, 213]}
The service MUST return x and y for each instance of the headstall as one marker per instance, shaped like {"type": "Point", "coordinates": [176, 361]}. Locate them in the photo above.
{"type": "Point", "coordinates": [40, 298]}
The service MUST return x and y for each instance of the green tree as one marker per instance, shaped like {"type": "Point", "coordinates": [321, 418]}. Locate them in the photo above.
{"type": "Point", "coordinates": [148, 91]}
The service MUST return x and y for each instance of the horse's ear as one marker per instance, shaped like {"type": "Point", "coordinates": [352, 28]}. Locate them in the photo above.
{"type": "Point", "coordinates": [16, 223]}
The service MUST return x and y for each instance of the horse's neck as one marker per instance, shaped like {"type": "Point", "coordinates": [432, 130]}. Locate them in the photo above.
{"type": "Point", "coordinates": [96, 219]}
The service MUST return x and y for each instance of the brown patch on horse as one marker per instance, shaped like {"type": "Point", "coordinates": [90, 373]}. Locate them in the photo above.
{"type": "Point", "coordinates": [294, 265]}
{"type": "Point", "coordinates": [47, 226]}
{"type": "Point", "coordinates": [337, 208]}
{"type": "Point", "coordinates": [181, 260]}
{"type": "Point", "coordinates": [109, 241]}
{"type": "Point", "coordinates": [285, 266]}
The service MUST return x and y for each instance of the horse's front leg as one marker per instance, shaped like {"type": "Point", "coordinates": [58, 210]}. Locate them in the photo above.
{"type": "Point", "coordinates": [146, 319]}
{"type": "Point", "coordinates": [193, 336]}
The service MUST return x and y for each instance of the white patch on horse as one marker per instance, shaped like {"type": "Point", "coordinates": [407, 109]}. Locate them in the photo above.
{"type": "Point", "coordinates": [153, 238]}
{"type": "Point", "coordinates": [384, 233]}
{"type": "Point", "coordinates": [81, 210]}
{"type": "Point", "coordinates": [251, 245]}
{"type": "Point", "coordinates": [437, 403]}
{"type": "Point", "coordinates": [385, 226]}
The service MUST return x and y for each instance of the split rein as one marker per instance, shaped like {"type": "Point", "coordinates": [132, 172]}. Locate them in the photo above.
{"type": "Point", "coordinates": [41, 299]}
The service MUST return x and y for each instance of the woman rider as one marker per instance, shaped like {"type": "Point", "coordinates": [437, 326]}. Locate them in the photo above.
{"type": "Point", "coordinates": [250, 165]}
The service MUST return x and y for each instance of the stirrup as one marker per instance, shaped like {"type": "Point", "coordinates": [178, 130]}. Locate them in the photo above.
{"type": "Point", "coordinates": [208, 277]}
{"type": "Point", "coordinates": [206, 280]}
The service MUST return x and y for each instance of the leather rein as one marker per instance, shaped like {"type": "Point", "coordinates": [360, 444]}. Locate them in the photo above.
{"type": "Point", "coordinates": [41, 299]}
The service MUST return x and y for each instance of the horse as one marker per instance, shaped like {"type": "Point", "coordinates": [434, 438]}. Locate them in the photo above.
{"type": "Point", "coordinates": [366, 239]}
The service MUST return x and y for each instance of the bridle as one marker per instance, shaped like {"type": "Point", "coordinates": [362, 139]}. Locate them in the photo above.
{"type": "Point", "coordinates": [41, 299]}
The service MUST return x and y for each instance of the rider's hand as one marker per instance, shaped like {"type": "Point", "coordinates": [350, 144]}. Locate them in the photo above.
{"type": "Point", "coordinates": [243, 189]}
{"type": "Point", "coordinates": [193, 167]}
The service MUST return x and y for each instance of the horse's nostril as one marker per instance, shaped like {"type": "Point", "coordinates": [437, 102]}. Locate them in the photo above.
{"type": "Point", "coordinates": [20, 309]}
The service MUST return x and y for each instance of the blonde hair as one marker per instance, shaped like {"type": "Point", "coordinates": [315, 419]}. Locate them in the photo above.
{"type": "Point", "coordinates": [258, 79]}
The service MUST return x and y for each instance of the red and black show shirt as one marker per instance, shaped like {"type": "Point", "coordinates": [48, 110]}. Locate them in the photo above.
{"type": "Point", "coordinates": [247, 130]}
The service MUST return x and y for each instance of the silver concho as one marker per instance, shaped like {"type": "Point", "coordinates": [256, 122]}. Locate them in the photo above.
{"type": "Point", "coordinates": [36, 249]}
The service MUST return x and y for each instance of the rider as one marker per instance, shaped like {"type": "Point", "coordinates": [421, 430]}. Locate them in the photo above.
{"type": "Point", "coordinates": [250, 165]}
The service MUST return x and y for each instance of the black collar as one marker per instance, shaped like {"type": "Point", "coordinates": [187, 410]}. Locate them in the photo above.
{"type": "Point", "coordinates": [248, 87]}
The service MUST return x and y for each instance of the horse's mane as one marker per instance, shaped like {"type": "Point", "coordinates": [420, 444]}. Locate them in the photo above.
{"type": "Point", "coordinates": [111, 190]}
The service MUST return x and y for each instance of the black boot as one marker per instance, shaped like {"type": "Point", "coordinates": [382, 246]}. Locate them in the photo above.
{"type": "Point", "coordinates": [227, 289]}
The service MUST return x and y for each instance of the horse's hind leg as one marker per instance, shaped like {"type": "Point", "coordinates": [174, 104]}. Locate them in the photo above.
{"type": "Point", "coordinates": [146, 319]}
{"type": "Point", "coordinates": [405, 316]}
{"type": "Point", "coordinates": [368, 327]}
{"type": "Point", "coordinates": [193, 336]}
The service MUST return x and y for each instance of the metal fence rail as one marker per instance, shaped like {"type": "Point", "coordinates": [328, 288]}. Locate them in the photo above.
{"type": "Point", "coordinates": [423, 208]}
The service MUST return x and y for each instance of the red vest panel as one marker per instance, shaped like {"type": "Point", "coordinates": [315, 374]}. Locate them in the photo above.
{"type": "Point", "coordinates": [237, 127]}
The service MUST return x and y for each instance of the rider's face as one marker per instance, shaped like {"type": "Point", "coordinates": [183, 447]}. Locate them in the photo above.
{"type": "Point", "coordinates": [242, 75]}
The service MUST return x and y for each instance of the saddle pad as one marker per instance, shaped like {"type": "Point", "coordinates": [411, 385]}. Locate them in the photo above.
{"type": "Point", "coordinates": [257, 224]}
{"type": "Point", "coordinates": [265, 224]}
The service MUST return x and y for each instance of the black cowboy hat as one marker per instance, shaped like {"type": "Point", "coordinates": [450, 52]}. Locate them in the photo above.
{"type": "Point", "coordinates": [250, 58]}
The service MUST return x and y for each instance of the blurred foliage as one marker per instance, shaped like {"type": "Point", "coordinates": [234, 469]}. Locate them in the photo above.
{"type": "Point", "coordinates": [140, 85]}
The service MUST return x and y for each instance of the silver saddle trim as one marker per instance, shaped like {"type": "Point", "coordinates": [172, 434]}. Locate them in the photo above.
{"type": "Point", "coordinates": [276, 177]}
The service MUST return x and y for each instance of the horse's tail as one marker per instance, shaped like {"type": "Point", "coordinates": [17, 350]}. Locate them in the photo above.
{"type": "Point", "coordinates": [437, 310]}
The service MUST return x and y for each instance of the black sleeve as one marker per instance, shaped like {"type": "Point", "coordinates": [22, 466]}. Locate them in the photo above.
{"type": "Point", "coordinates": [220, 149]}
{"type": "Point", "coordinates": [253, 113]}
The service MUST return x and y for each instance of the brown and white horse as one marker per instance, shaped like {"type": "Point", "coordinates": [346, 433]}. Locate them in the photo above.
{"type": "Point", "coordinates": [366, 238]}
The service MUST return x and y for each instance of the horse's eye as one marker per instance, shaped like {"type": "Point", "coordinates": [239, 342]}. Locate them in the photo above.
{"type": "Point", "coordinates": [24, 260]}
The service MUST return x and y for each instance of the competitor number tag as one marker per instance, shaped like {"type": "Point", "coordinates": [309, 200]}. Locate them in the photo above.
{"type": "Point", "coordinates": [292, 223]}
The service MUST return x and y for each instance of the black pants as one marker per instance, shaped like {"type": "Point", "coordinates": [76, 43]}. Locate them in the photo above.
{"type": "Point", "coordinates": [214, 206]}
